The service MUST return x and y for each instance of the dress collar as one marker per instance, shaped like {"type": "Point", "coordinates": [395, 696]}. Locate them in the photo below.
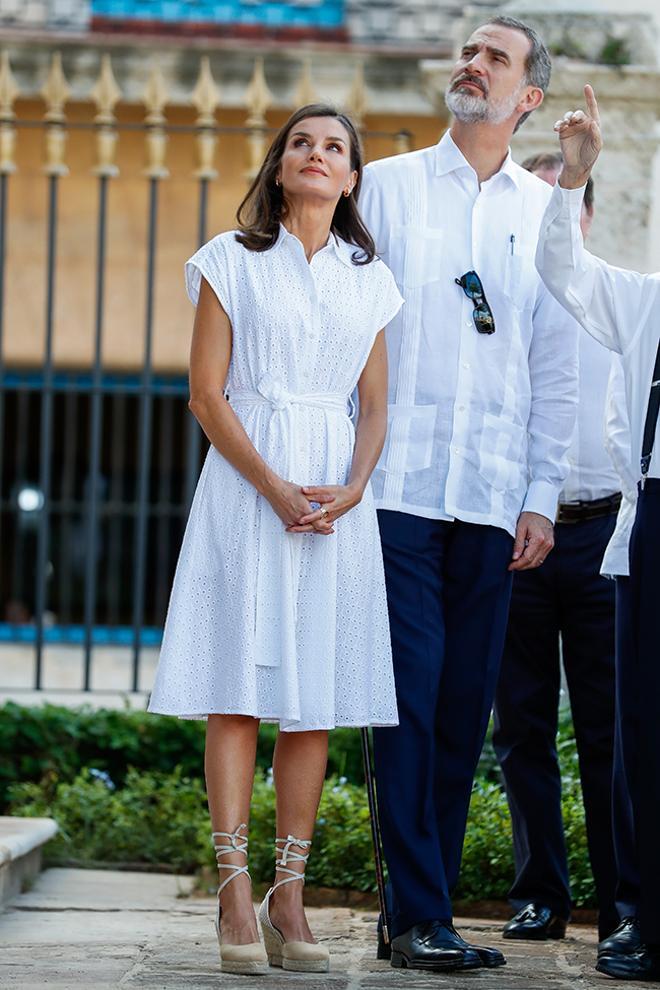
{"type": "Point", "coordinates": [339, 247]}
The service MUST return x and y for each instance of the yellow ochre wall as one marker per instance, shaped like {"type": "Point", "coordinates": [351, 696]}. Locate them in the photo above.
{"type": "Point", "coordinates": [25, 277]}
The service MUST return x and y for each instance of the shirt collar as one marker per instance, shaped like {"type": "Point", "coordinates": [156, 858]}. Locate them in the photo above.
{"type": "Point", "coordinates": [343, 251]}
{"type": "Point", "coordinates": [450, 158]}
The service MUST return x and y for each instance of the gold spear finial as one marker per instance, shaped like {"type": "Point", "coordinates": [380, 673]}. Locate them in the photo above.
{"type": "Point", "coordinates": [206, 95]}
{"type": "Point", "coordinates": [356, 100]}
{"type": "Point", "coordinates": [155, 98]}
{"type": "Point", "coordinates": [205, 98]}
{"type": "Point", "coordinates": [105, 94]}
{"type": "Point", "coordinates": [8, 88]}
{"type": "Point", "coordinates": [305, 92]}
{"type": "Point", "coordinates": [55, 92]}
{"type": "Point", "coordinates": [8, 93]}
{"type": "Point", "coordinates": [258, 98]}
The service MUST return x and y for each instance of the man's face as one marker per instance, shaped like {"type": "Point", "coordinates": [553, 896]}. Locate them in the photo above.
{"type": "Point", "coordinates": [489, 79]}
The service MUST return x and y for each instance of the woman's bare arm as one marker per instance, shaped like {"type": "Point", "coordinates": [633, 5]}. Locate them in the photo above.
{"type": "Point", "coordinates": [210, 354]}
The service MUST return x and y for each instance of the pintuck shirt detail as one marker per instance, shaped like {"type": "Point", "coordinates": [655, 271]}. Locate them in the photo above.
{"type": "Point", "coordinates": [479, 425]}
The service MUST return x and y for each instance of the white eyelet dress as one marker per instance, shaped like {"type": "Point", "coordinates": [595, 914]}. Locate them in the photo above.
{"type": "Point", "coordinates": [286, 627]}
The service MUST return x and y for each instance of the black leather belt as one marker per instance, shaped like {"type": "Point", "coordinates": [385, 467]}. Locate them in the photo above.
{"type": "Point", "coordinates": [575, 512]}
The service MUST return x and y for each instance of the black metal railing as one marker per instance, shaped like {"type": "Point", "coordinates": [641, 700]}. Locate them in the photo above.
{"type": "Point", "coordinates": [97, 468]}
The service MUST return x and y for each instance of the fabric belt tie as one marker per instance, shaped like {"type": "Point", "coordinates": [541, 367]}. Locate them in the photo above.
{"type": "Point", "coordinates": [575, 512]}
{"type": "Point", "coordinates": [279, 554]}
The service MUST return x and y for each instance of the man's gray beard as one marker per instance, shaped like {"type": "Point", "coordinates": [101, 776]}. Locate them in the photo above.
{"type": "Point", "coordinates": [471, 109]}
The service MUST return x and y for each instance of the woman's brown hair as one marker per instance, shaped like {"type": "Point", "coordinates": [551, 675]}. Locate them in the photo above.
{"type": "Point", "coordinates": [264, 206]}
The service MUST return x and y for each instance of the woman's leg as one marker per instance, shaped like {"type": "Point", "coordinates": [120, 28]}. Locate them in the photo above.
{"type": "Point", "coordinates": [231, 745]}
{"type": "Point", "coordinates": [299, 766]}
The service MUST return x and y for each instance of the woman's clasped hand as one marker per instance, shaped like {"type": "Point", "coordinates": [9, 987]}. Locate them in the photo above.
{"type": "Point", "coordinates": [313, 509]}
{"type": "Point", "coordinates": [296, 510]}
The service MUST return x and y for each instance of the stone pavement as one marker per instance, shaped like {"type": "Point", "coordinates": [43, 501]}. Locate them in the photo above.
{"type": "Point", "coordinates": [93, 929]}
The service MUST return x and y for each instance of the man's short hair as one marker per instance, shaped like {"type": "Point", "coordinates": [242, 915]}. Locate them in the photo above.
{"type": "Point", "coordinates": [552, 160]}
{"type": "Point", "coordinates": [538, 65]}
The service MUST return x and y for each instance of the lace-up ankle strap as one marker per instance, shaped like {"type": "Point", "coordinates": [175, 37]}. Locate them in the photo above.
{"type": "Point", "coordinates": [237, 843]}
{"type": "Point", "coordinates": [288, 855]}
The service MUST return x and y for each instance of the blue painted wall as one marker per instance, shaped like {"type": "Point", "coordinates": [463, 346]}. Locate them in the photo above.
{"type": "Point", "coordinates": [318, 14]}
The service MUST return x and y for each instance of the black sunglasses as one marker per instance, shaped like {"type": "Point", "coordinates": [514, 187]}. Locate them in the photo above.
{"type": "Point", "coordinates": [482, 314]}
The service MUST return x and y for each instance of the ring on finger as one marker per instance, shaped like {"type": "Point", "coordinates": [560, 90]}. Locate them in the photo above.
{"type": "Point", "coordinates": [324, 512]}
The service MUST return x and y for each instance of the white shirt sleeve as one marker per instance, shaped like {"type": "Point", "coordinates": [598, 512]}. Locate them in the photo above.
{"type": "Point", "coordinates": [605, 300]}
{"type": "Point", "coordinates": [617, 430]}
{"type": "Point", "coordinates": [553, 367]}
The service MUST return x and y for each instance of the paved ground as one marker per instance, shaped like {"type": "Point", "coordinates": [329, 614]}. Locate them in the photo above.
{"type": "Point", "coordinates": [94, 929]}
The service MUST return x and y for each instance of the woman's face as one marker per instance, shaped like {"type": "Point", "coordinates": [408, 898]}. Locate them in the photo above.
{"type": "Point", "coordinates": [316, 164]}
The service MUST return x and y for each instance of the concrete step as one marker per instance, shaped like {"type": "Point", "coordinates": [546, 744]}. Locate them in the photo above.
{"type": "Point", "coordinates": [21, 841]}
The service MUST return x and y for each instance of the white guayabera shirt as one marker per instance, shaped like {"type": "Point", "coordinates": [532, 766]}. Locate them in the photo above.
{"type": "Point", "coordinates": [478, 425]}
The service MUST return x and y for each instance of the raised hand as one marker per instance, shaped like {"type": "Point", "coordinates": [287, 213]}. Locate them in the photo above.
{"type": "Point", "coordinates": [581, 141]}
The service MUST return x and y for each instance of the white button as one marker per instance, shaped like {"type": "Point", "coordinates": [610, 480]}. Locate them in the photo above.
{"type": "Point", "coordinates": [469, 323]}
{"type": "Point", "coordinates": [457, 450]}
{"type": "Point", "coordinates": [466, 364]}
{"type": "Point", "coordinates": [461, 408]}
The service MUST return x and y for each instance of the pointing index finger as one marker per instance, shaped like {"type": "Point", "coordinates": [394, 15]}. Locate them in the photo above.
{"type": "Point", "coordinates": [592, 105]}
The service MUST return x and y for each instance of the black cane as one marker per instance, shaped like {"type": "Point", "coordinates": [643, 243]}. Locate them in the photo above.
{"type": "Point", "coordinates": [375, 831]}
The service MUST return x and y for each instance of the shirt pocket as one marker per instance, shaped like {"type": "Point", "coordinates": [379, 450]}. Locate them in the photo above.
{"type": "Point", "coordinates": [519, 283]}
{"type": "Point", "coordinates": [502, 453]}
{"type": "Point", "coordinates": [409, 442]}
{"type": "Point", "coordinates": [415, 255]}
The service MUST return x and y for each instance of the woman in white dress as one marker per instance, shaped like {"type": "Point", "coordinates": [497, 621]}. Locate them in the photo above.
{"type": "Point", "coordinates": [278, 609]}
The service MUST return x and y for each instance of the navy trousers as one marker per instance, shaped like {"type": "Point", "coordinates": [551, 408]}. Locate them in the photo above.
{"type": "Point", "coordinates": [628, 881]}
{"type": "Point", "coordinates": [639, 705]}
{"type": "Point", "coordinates": [448, 592]}
{"type": "Point", "coordinates": [565, 597]}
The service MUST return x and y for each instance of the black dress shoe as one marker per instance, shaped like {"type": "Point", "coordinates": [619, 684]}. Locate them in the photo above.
{"type": "Point", "coordinates": [432, 945]}
{"type": "Point", "coordinates": [623, 940]}
{"type": "Point", "coordinates": [535, 922]}
{"type": "Point", "coordinates": [490, 958]}
{"type": "Point", "coordinates": [642, 965]}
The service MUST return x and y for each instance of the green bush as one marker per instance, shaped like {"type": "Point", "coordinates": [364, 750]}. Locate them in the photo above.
{"type": "Point", "coordinates": [127, 787]}
{"type": "Point", "coordinates": [162, 820]}
{"type": "Point", "coordinates": [38, 741]}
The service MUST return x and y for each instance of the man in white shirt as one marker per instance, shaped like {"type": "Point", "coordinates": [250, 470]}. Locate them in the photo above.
{"type": "Point", "coordinates": [566, 598]}
{"type": "Point", "coordinates": [621, 310]}
{"type": "Point", "coordinates": [467, 484]}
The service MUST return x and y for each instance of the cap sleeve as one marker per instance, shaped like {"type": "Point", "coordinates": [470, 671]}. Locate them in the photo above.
{"type": "Point", "coordinates": [212, 263]}
{"type": "Point", "coordinates": [389, 300]}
